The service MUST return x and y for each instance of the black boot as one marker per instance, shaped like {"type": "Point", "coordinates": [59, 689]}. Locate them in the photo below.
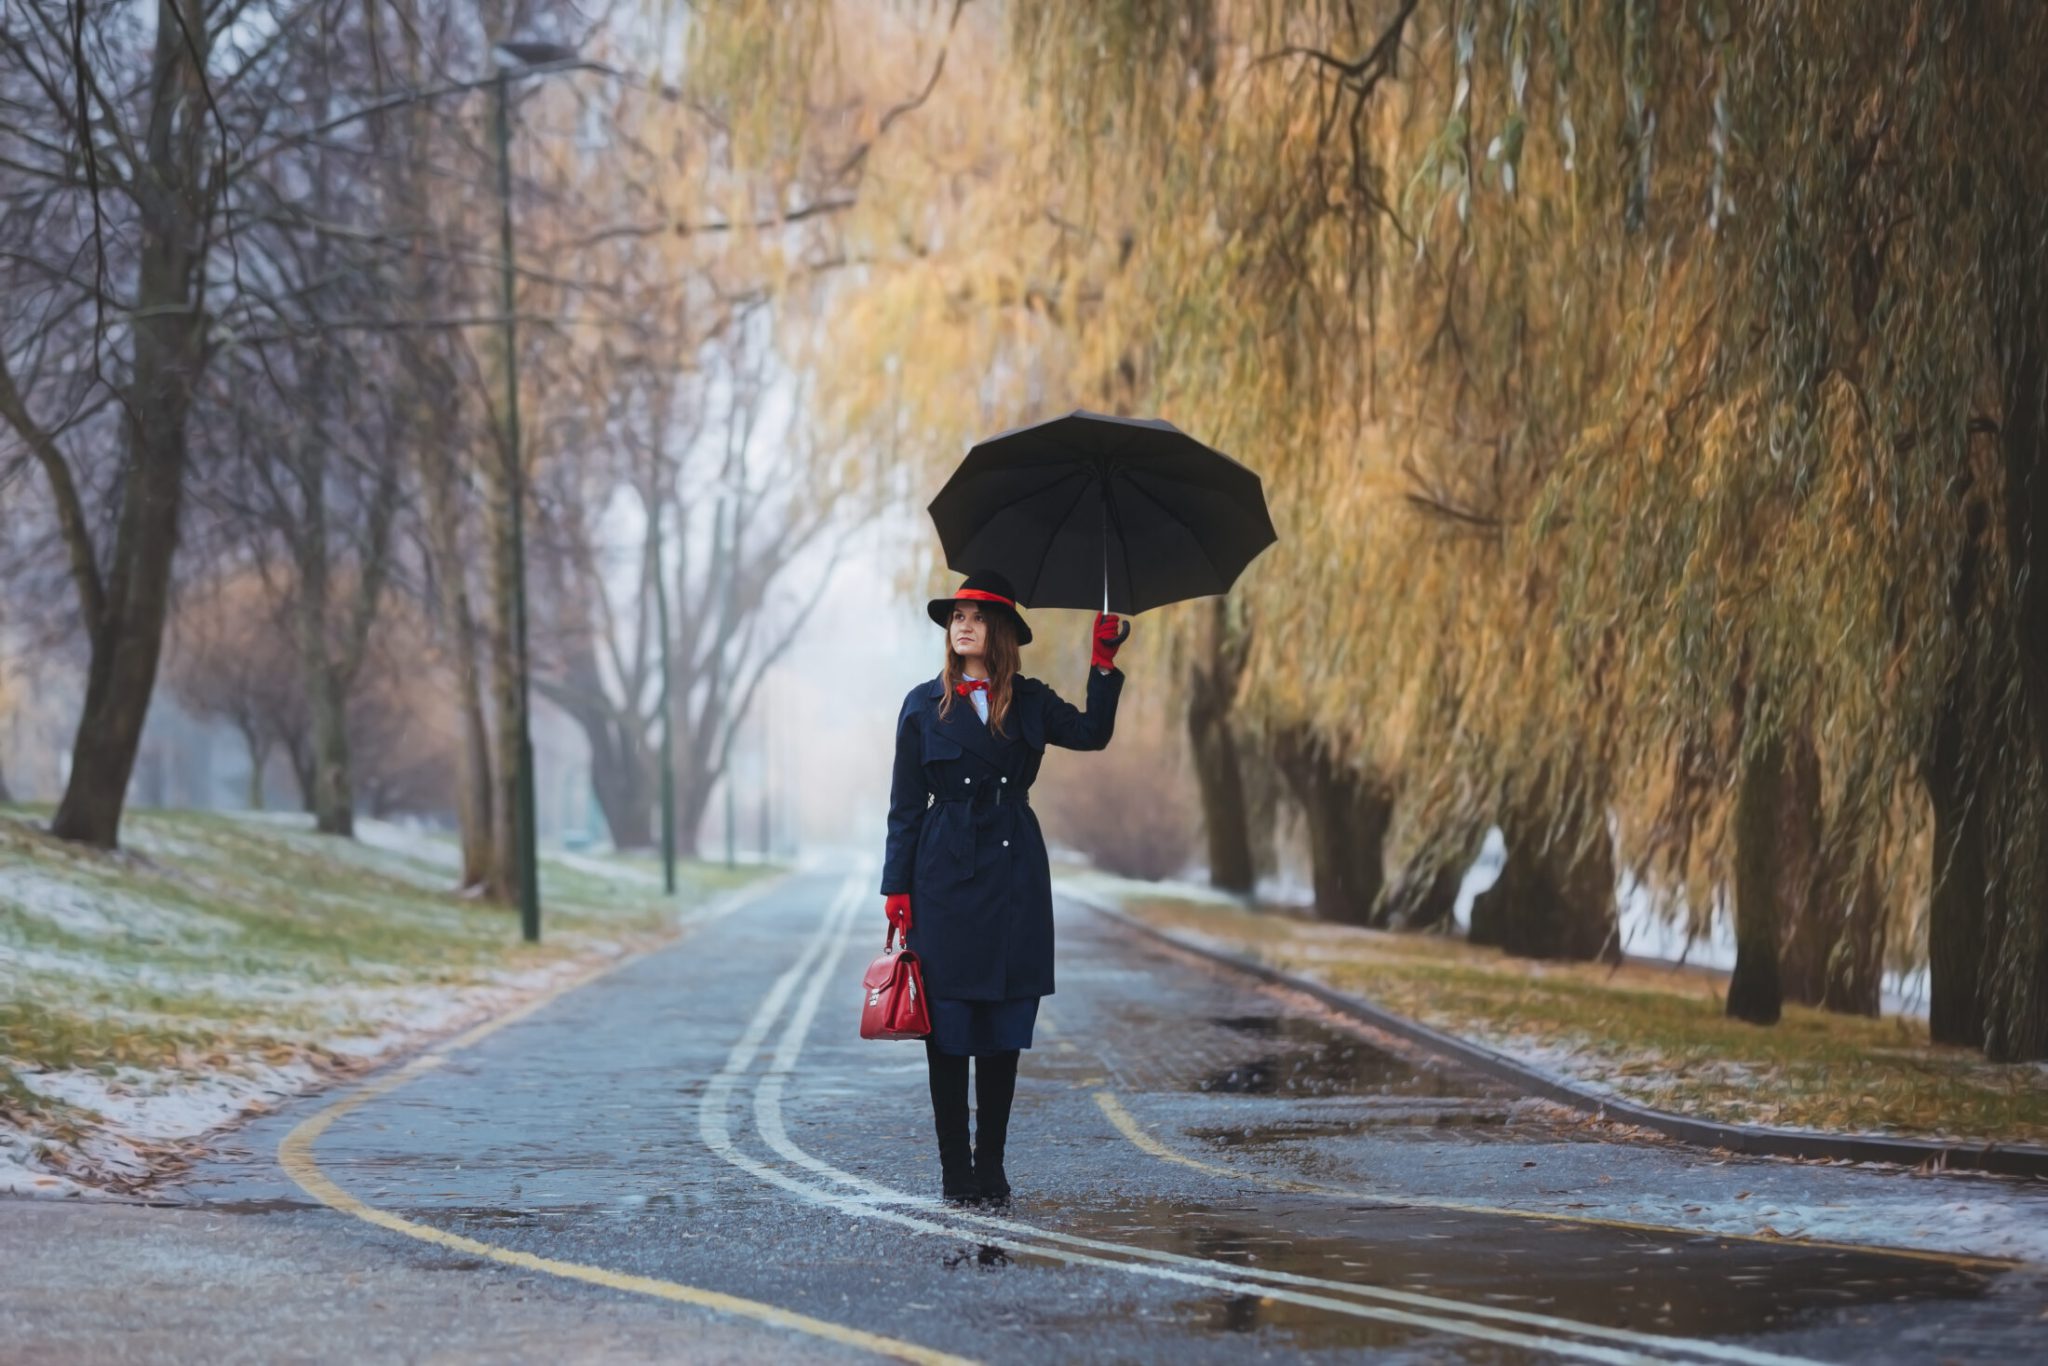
{"type": "Point", "coordinates": [948, 1075]}
{"type": "Point", "coordinates": [995, 1085]}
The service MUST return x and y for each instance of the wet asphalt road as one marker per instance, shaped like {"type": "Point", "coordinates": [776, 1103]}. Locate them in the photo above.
{"type": "Point", "coordinates": [1206, 1171]}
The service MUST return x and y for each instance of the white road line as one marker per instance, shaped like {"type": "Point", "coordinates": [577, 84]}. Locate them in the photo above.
{"type": "Point", "coordinates": [768, 1121]}
{"type": "Point", "coordinates": [1025, 1238]}
{"type": "Point", "coordinates": [833, 931]}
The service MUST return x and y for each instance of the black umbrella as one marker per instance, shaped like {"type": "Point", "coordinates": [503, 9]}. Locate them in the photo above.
{"type": "Point", "coordinates": [1086, 510]}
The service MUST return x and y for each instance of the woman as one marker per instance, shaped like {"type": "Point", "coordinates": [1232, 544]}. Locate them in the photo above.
{"type": "Point", "coordinates": [964, 843]}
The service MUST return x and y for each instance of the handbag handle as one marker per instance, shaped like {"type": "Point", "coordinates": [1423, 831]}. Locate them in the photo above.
{"type": "Point", "coordinates": [890, 940]}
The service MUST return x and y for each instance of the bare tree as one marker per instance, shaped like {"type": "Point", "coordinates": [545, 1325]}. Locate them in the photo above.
{"type": "Point", "coordinates": [738, 509]}
{"type": "Point", "coordinates": [114, 163]}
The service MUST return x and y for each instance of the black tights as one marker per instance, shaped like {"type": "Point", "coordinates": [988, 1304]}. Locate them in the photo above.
{"type": "Point", "coordinates": [995, 1087]}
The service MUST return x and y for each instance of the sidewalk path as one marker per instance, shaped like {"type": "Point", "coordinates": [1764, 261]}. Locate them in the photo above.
{"type": "Point", "coordinates": [1207, 1171]}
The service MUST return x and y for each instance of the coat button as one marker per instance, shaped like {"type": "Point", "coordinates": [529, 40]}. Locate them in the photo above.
{"type": "Point", "coordinates": [967, 780]}
{"type": "Point", "coordinates": [1006, 780]}
{"type": "Point", "coordinates": [1006, 844]}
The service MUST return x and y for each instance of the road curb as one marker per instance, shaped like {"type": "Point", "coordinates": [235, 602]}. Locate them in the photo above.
{"type": "Point", "coordinates": [1997, 1159]}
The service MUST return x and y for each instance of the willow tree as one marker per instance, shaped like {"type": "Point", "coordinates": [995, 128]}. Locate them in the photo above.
{"type": "Point", "coordinates": [1651, 402]}
{"type": "Point", "coordinates": [1699, 323]}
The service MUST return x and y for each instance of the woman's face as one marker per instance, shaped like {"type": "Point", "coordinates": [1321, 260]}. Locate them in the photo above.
{"type": "Point", "coordinates": [969, 630]}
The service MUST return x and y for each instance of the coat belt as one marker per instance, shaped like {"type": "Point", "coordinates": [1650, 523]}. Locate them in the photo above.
{"type": "Point", "coordinates": [956, 815]}
{"type": "Point", "coordinates": [1022, 794]}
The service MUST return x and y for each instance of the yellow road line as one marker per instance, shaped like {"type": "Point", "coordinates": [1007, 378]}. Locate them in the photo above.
{"type": "Point", "coordinates": [295, 1155]}
{"type": "Point", "coordinates": [1127, 1125]}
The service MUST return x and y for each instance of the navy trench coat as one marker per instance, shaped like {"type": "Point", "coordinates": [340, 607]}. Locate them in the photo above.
{"type": "Point", "coordinates": [964, 842]}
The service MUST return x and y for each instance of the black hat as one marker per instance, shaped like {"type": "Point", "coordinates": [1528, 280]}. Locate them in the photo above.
{"type": "Point", "coordinates": [983, 588]}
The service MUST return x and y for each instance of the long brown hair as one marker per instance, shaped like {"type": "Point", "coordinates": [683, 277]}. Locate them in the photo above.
{"type": "Point", "coordinates": [1000, 657]}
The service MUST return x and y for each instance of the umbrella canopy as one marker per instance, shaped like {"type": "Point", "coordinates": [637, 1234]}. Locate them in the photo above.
{"type": "Point", "coordinates": [1119, 513]}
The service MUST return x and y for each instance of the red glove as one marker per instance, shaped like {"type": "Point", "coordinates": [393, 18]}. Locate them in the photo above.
{"type": "Point", "coordinates": [897, 908]}
{"type": "Point", "coordinates": [1110, 633]}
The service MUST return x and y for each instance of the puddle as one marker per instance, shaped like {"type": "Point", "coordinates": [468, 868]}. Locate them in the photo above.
{"type": "Point", "coordinates": [516, 1218]}
{"type": "Point", "coordinates": [271, 1206]}
{"type": "Point", "coordinates": [987, 1257]}
{"type": "Point", "coordinates": [1264, 1025]}
{"type": "Point", "coordinates": [1681, 1285]}
{"type": "Point", "coordinates": [1306, 1057]}
{"type": "Point", "coordinates": [1279, 1132]}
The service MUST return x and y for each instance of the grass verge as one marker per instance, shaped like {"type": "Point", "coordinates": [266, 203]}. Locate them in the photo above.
{"type": "Point", "coordinates": [1647, 1032]}
{"type": "Point", "coordinates": [218, 962]}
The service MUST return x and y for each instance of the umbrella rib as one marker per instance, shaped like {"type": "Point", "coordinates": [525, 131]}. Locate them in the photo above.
{"type": "Point", "coordinates": [973, 530]}
{"type": "Point", "coordinates": [1065, 517]}
{"type": "Point", "coordinates": [1131, 479]}
{"type": "Point", "coordinates": [1132, 436]}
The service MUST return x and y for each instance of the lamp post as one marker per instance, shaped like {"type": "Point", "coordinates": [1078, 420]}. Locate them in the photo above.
{"type": "Point", "coordinates": [668, 723]}
{"type": "Point", "coordinates": [518, 58]}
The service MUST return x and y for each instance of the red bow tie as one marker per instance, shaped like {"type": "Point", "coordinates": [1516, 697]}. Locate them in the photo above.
{"type": "Point", "coordinates": [970, 685]}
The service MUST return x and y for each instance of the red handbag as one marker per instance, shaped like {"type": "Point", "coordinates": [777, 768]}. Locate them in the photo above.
{"type": "Point", "coordinates": [892, 995]}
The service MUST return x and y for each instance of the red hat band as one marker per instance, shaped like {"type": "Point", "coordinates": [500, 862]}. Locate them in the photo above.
{"type": "Point", "coordinates": [982, 595]}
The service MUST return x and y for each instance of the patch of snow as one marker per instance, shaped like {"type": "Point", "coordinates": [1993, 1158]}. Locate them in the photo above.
{"type": "Point", "coordinates": [409, 841]}
{"type": "Point", "coordinates": [1559, 1061]}
{"type": "Point", "coordinates": [156, 1106]}
{"type": "Point", "coordinates": [88, 911]}
{"type": "Point", "coordinates": [19, 964]}
{"type": "Point", "coordinates": [2003, 1221]}
{"type": "Point", "coordinates": [609, 869]}
{"type": "Point", "coordinates": [1480, 877]}
{"type": "Point", "coordinates": [129, 1109]}
{"type": "Point", "coordinates": [18, 1175]}
{"type": "Point", "coordinates": [122, 1124]}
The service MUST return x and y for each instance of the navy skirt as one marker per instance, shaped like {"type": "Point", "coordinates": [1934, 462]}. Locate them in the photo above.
{"type": "Point", "coordinates": [979, 1027]}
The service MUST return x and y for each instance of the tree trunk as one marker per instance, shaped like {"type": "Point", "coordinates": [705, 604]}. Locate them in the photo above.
{"type": "Point", "coordinates": [692, 801]}
{"type": "Point", "coordinates": [1959, 796]}
{"type": "Point", "coordinates": [1812, 908]}
{"type": "Point", "coordinates": [1219, 773]}
{"type": "Point", "coordinates": [334, 809]}
{"type": "Point", "coordinates": [1219, 777]}
{"type": "Point", "coordinates": [332, 801]}
{"type": "Point", "coordinates": [2016, 985]}
{"type": "Point", "coordinates": [473, 783]}
{"type": "Point", "coordinates": [169, 354]}
{"type": "Point", "coordinates": [1855, 978]}
{"type": "Point", "coordinates": [1834, 956]}
{"type": "Point", "coordinates": [699, 751]}
{"type": "Point", "coordinates": [624, 767]}
{"type": "Point", "coordinates": [1956, 906]}
{"type": "Point", "coordinates": [259, 759]}
{"type": "Point", "coordinates": [473, 798]}
{"type": "Point", "coordinates": [128, 643]}
{"type": "Point", "coordinates": [2015, 968]}
{"type": "Point", "coordinates": [473, 806]}
{"type": "Point", "coordinates": [625, 793]}
{"type": "Point", "coordinates": [1554, 898]}
{"type": "Point", "coordinates": [299, 751]}
{"type": "Point", "coordinates": [1347, 816]}
{"type": "Point", "coordinates": [438, 451]}
{"type": "Point", "coordinates": [1754, 991]}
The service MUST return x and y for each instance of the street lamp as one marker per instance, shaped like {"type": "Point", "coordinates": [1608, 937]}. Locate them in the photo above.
{"type": "Point", "coordinates": [668, 720]}
{"type": "Point", "coordinates": [518, 58]}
